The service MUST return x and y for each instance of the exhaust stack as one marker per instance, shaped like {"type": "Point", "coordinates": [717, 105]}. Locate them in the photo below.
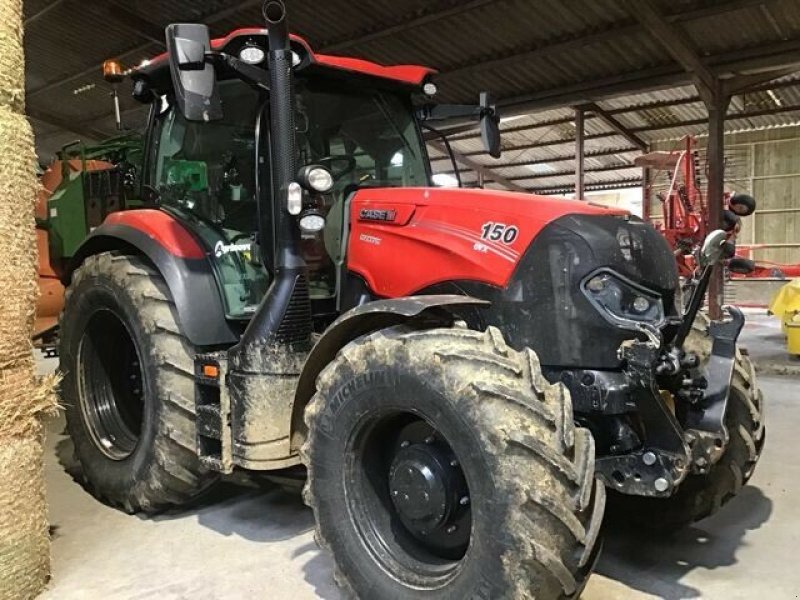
{"type": "Point", "coordinates": [283, 319]}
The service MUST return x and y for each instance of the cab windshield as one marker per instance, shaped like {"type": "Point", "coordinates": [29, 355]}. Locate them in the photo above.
{"type": "Point", "coordinates": [365, 137]}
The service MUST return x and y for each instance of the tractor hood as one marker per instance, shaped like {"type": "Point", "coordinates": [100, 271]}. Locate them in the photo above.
{"type": "Point", "coordinates": [404, 240]}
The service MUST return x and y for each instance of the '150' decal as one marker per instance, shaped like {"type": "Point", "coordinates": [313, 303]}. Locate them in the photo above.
{"type": "Point", "coordinates": [499, 232]}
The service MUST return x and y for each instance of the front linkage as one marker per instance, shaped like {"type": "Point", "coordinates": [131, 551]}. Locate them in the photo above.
{"type": "Point", "coordinates": [658, 374]}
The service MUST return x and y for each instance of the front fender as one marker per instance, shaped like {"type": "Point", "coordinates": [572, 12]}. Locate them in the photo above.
{"type": "Point", "coordinates": [425, 311]}
{"type": "Point", "coordinates": [186, 271]}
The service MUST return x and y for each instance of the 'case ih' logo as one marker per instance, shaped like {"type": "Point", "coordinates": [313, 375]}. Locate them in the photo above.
{"type": "Point", "coordinates": [377, 214]}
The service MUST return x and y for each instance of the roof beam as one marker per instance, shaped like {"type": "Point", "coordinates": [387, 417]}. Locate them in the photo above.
{"type": "Point", "coordinates": [749, 83]}
{"type": "Point", "coordinates": [621, 129]}
{"type": "Point", "coordinates": [548, 161]}
{"type": "Point", "coordinates": [762, 57]}
{"type": "Point", "coordinates": [38, 15]}
{"type": "Point", "coordinates": [404, 25]}
{"type": "Point", "coordinates": [573, 172]}
{"type": "Point", "coordinates": [759, 82]}
{"type": "Point", "coordinates": [636, 130]}
{"type": "Point", "coordinates": [482, 170]}
{"type": "Point", "coordinates": [673, 39]}
{"type": "Point", "coordinates": [95, 68]}
{"type": "Point", "coordinates": [541, 50]}
{"type": "Point", "coordinates": [66, 125]}
{"type": "Point", "coordinates": [129, 19]}
{"type": "Point", "coordinates": [590, 187]}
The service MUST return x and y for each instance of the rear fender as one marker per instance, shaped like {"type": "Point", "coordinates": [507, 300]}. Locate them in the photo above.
{"type": "Point", "coordinates": [185, 268]}
{"type": "Point", "coordinates": [425, 312]}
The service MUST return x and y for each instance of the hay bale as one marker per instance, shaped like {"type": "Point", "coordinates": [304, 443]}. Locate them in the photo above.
{"type": "Point", "coordinates": [12, 57]}
{"type": "Point", "coordinates": [24, 541]}
{"type": "Point", "coordinates": [19, 397]}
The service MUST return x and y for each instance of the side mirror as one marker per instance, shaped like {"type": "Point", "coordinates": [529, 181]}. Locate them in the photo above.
{"type": "Point", "coordinates": [195, 80]}
{"type": "Point", "coordinates": [490, 126]}
{"type": "Point", "coordinates": [713, 248]}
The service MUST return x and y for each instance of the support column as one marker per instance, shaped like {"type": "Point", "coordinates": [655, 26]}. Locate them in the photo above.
{"type": "Point", "coordinates": [579, 155]}
{"type": "Point", "coordinates": [646, 193]}
{"type": "Point", "coordinates": [716, 101]}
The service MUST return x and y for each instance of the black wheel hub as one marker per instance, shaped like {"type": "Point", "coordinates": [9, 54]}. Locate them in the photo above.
{"type": "Point", "coordinates": [421, 486]}
{"type": "Point", "coordinates": [428, 490]}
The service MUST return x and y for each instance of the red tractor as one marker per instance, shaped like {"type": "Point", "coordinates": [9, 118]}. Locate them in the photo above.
{"type": "Point", "coordinates": [458, 374]}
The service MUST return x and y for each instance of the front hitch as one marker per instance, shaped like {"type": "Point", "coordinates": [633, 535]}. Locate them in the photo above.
{"type": "Point", "coordinates": [706, 429]}
{"type": "Point", "coordinates": [662, 463]}
{"type": "Point", "coordinates": [670, 451]}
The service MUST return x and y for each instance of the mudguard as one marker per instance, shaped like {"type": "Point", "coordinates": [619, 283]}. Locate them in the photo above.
{"type": "Point", "coordinates": [181, 261]}
{"type": "Point", "coordinates": [428, 311]}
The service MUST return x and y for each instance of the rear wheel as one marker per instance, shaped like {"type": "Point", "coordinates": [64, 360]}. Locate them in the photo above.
{"type": "Point", "coordinates": [128, 386]}
{"type": "Point", "coordinates": [443, 465]}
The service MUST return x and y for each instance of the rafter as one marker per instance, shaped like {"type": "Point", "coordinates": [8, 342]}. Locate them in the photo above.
{"type": "Point", "coordinates": [547, 161]}
{"type": "Point", "coordinates": [211, 19]}
{"type": "Point", "coordinates": [637, 130]}
{"type": "Point", "coordinates": [404, 25]}
{"type": "Point", "coordinates": [674, 40]}
{"type": "Point", "coordinates": [82, 131]}
{"type": "Point", "coordinates": [621, 129]}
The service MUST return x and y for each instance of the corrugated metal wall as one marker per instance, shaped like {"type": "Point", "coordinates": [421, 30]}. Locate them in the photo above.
{"type": "Point", "coordinates": [765, 164]}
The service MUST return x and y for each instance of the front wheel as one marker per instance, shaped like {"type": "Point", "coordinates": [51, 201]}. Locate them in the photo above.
{"type": "Point", "coordinates": [443, 465]}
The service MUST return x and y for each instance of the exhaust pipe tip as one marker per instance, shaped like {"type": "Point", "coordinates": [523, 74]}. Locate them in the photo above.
{"type": "Point", "coordinates": [274, 12]}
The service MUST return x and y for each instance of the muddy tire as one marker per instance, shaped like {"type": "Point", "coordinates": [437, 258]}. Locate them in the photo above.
{"type": "Point", "coordinates": [700, 496]}
{"type": "Point", "coordinates": [524, 521]}
{"type": "Point", "coordinates": [128, 387]}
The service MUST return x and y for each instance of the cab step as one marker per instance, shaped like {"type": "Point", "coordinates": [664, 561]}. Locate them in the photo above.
{"type": "Point", "coordinates": [213, 409]}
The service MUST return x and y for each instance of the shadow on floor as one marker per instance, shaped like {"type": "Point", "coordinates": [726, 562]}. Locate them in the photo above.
{"type": "Point", "coordinates": [655, 563]}
{"type": "Point", "coordinates": [259, 513]}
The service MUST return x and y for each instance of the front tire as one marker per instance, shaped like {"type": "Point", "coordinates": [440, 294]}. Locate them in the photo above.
{"type": "Point", "coordinates": [128, 386]}
{"type": "Point", "coordinates": [443, 465]}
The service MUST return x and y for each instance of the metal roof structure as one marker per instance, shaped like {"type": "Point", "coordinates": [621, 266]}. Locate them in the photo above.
{"type": "Point", "coordinates": [628, 65]}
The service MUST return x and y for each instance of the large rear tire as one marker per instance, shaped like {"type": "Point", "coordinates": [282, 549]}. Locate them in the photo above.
{"type": "Point", "coordinates": [443, 465]}
{"type": "Point", "coordinates": [700, 496]}
{"type": "Point", "coordinates": [128, 386]}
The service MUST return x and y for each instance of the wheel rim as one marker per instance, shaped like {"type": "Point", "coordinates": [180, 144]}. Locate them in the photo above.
{"type": "Point", "coordinates": [408, 498]}
{"type": "Point", "coordinates": [110, 385]}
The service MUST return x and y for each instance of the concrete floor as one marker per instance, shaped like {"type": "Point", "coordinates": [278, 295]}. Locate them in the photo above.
{"type": "Point", "coordinates": [259, 543]}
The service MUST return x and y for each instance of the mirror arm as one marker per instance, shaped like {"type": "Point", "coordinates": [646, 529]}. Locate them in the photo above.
{"type": "Point", "coordinates": [695, 304]}
{"type": "Point", "coordinates": [249, 74]}
{"type": "Point", "coordinates": [448, 112]}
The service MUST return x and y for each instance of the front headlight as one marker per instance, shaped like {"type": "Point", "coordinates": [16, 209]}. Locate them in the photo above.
{"type": "Point", "coordinates": [621, 301]}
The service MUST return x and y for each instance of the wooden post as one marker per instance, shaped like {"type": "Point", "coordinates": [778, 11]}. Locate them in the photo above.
{"type": "Point", "coordinates": [24, 539]}
{"type": "Point", "coordinates": [717, 105]}
{"type": "Point", "coordinates": [580, 187]}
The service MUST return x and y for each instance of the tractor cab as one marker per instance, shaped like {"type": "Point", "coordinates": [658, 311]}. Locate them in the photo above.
{"type": "Point", "coordinates": [353, 118]}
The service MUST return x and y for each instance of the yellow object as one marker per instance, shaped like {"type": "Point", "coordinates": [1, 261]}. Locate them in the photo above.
{"type": "Point", "coordinates": [786, 306]}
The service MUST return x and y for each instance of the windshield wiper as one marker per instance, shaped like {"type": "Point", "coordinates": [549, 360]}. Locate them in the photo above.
{"type": "Point", "coordinates": [449, 149]}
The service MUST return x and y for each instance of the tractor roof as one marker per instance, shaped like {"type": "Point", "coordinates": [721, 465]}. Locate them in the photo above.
{"type": "Point", "coordinates": [156, 70]}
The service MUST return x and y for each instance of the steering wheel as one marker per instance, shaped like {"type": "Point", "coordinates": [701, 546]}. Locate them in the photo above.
{"type": "Point", "coordinates": [349, 165]}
